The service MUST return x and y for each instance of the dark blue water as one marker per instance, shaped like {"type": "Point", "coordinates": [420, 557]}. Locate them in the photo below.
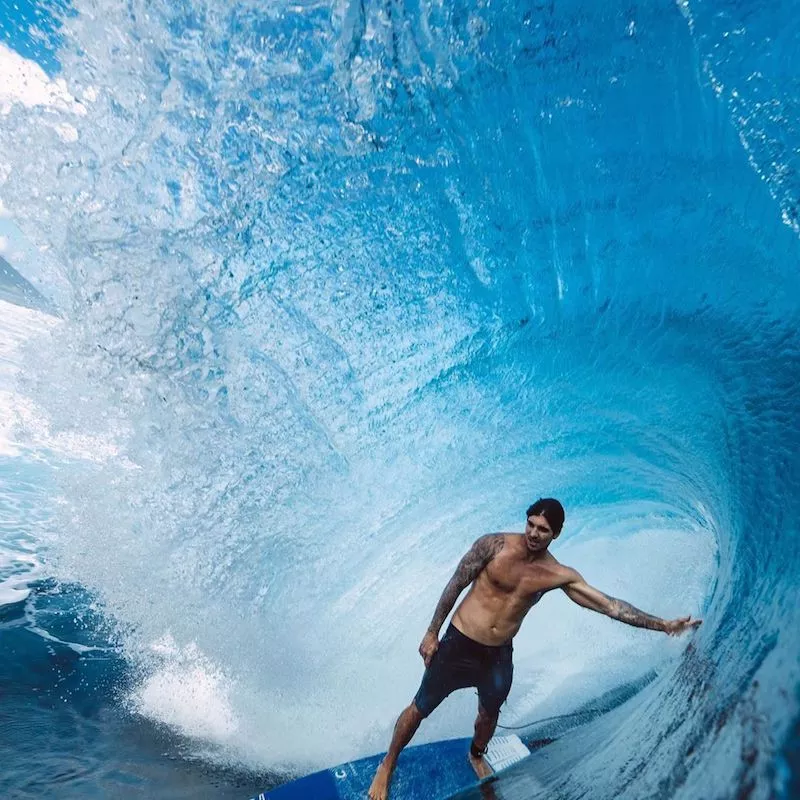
{"type": "Point", "coordinates": [344, 286]}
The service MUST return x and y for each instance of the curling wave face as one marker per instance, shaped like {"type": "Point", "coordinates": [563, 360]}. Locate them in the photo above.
{"type": "Point", "coordinates": [346, 286]}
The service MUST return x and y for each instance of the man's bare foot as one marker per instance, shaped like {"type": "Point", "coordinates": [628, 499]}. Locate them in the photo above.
{"type": "Point", "coordinates": [379, 788]}
{"type": "Point", "coordinates": [481, 766]}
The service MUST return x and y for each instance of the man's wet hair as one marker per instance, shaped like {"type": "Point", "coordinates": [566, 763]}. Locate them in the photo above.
{"type": "Point", "coordinates": [550, 509]}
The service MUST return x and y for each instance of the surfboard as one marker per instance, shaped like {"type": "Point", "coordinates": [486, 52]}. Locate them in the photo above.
{"type": "Point", "coordinates": [423, 772]}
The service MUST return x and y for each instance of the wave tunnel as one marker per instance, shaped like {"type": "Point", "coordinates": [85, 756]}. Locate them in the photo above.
{"type": "Point", "coordinates": [332, 289]}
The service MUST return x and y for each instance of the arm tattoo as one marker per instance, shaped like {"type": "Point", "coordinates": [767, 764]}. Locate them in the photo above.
{"type": "Point", "coordinates": [470, 566]}
{"type": "Point", "coordinates": [631, 615]}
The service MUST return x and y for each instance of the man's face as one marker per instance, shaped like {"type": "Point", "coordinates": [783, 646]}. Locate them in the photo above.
{"type": "Point", "coordinates": [538, 534]}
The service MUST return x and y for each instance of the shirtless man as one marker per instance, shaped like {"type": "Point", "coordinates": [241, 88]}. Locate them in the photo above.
{"type": "Point", "coordinates": [509, 573]}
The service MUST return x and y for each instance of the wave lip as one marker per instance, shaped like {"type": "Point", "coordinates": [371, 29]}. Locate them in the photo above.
{"type": "Point", "coordinates": [344, 290]}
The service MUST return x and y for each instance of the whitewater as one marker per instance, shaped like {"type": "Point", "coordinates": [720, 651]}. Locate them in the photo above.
{"type": "Point", "coordinates": [303, 298]}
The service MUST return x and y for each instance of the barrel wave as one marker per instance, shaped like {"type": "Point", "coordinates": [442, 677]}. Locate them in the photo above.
{"type": "Point", "coordinates": [342, 286]}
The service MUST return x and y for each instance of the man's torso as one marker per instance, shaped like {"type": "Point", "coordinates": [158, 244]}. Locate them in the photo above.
{"type": "Point", "coordinates": [504, 591]}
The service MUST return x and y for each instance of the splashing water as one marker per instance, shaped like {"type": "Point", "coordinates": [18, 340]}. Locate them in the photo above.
{"type": "Point", "coordinates": [345, 286]}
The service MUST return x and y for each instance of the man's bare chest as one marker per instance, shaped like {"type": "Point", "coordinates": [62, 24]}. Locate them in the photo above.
{"type": "Point", "coordinates": [512, 577]}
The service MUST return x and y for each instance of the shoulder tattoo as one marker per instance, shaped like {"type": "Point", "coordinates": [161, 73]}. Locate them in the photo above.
{"type": "Point", "coordinates": [479, 555]}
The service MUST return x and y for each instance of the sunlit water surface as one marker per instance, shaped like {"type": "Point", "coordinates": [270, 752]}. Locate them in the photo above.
{"type": "Point", "coordinates": [340, 288]}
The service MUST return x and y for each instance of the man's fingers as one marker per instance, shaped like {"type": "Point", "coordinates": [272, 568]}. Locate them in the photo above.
{"type": "Point", "coordinates": [685, 624]}
{"type": "Point", "coordinates": [678, 626]}
{"type": "Point", "coordinates": [427, 656]}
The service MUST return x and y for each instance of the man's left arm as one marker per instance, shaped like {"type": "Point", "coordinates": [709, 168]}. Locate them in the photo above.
{"type": "Point", "coordinates": [580, 592]}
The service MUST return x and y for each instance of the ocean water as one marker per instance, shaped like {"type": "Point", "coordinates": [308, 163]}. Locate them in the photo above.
{"type": "Point", "coordinates": [340, 287]}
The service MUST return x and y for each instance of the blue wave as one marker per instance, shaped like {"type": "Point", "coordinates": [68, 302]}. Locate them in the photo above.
{"type": "Point", "coordinates": [344, 287]}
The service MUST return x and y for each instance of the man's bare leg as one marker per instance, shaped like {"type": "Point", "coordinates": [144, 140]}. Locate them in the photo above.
{"type": "Point", "coordinates": [405, 727]}
{"type": "Point", "coordinates": [485, 724]}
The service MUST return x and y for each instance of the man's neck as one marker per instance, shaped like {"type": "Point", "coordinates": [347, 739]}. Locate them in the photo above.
{"type": "Point", "coordinates": [539, 555]}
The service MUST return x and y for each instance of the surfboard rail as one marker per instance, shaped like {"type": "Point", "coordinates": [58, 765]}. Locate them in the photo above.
{"type": "Point", "coordinates": [424, 772]}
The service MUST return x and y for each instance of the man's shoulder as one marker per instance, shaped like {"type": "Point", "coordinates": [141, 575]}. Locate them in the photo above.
{"type": "Point", "coordinates": [489, 545]}
{"type": "Point", "coordinates": [511, 538]}
{"type": "Point", "coordinates": [510, 543]}
{"type": "Point", "coordinates": [497, 541]}
{"type": "Point", "coordinates": [562, 572]}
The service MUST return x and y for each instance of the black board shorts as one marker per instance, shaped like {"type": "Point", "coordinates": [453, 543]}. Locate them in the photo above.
{"type": "Point", "coordinates": [461, 662]}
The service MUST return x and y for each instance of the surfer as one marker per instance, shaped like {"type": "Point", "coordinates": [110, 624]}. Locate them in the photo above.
{"type": "Point", "coordinates": [509, 573]}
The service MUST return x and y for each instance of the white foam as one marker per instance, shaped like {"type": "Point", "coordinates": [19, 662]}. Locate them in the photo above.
{"type": "Point", "coordinates": [187, 692]}
{"type": "Point", "coordinates": [66, 132]}
{"type": "Point", "coordinates": [19, 413]}
{"type": "Point", "coordinates": [71, 444]}
{"type": "Point", "coordinates": [10, 594]}
{"type": "Point", "coordinates": [25, 82]}
{"type": "Point", "coordinates": [17, 324]}
{"type": "Point", "coordinates": [78, 648]}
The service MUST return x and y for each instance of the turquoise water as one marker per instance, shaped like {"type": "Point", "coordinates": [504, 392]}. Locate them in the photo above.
{"type": "Point", "coordinates": [343, 287]}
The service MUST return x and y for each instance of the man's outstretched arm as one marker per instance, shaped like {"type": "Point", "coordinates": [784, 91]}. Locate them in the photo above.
{"type": "Point", "coordinates": [470, 566]}
{"type": "Point", "coordinates": [587, 596]}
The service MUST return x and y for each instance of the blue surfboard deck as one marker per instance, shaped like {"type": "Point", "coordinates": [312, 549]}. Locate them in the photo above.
{"type": "Point", "coordinates": [424, 772]}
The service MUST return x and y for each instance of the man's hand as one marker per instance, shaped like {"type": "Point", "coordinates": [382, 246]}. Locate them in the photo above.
{"type": "Point", "coordinates": [428, 647]}
{"type": "Point", "coordinates": [675, 627]}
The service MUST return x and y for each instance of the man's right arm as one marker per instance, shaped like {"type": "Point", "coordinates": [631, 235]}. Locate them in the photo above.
{"type": "Point", "coordinates": [470, 566]}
